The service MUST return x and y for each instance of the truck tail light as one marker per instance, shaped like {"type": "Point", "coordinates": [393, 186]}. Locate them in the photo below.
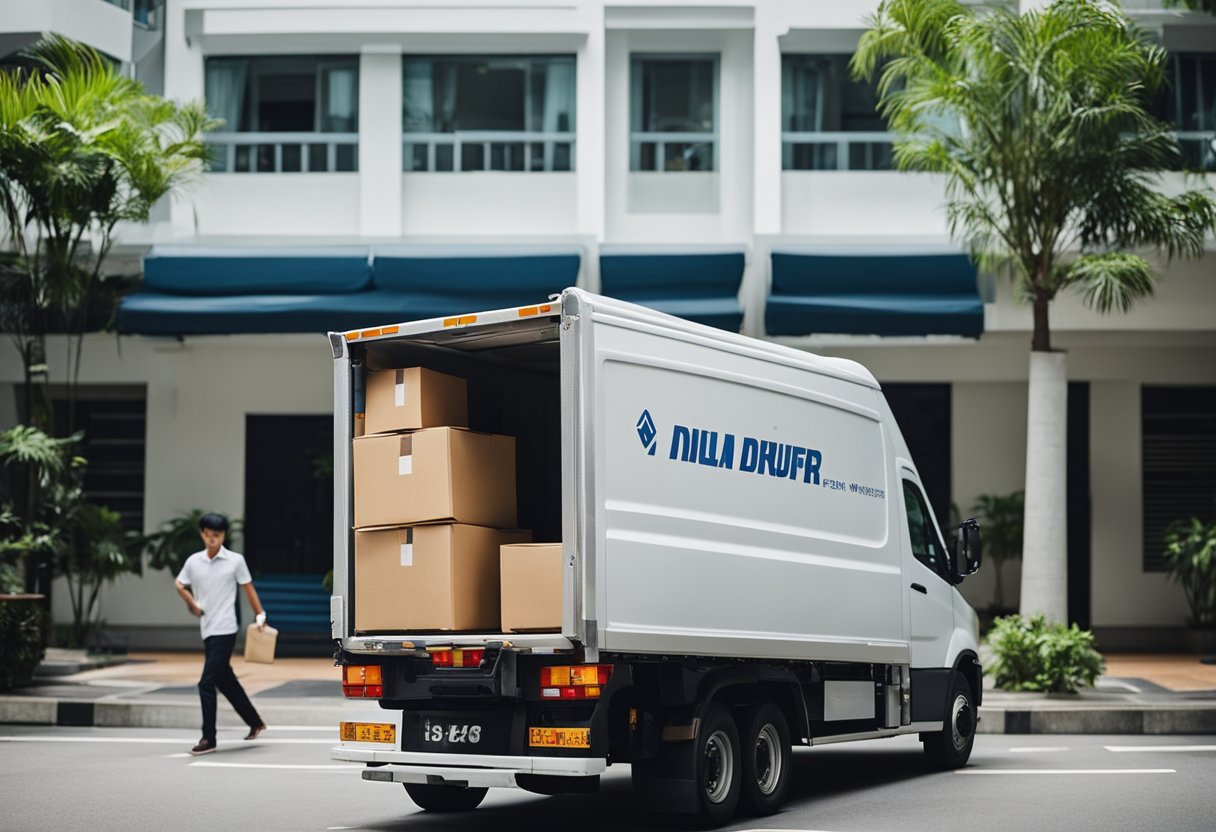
{"type": "Point", "coordinates": [583, 681]}
{"type": "Point", "coordinates": [470, 657]}
{"type": "Point", "coordinates": [362, 681]}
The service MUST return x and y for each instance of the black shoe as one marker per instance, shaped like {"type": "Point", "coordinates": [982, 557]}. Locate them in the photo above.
{"type": "Point", "coordinates": [255, 730]}
{"type": "Point", "coordinates": [203, 747]}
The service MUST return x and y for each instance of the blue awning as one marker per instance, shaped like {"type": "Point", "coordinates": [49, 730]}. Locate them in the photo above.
{"type": "Point", "coordinates": [695, 283]}
{"type": "Point", "coordinates": [213, 291]}
{"type": "Point", "coordinates": [895, 291]}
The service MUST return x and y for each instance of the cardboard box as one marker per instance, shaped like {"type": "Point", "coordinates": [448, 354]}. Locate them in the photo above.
{"type": "Point", "coordinates": [435, 475]}
{"type": "Point", "coordinates": [414, 398]}
{"type": "Point", "coordinates": [531, 586]}
{"type": "Point", "coordinates": [431, 578]}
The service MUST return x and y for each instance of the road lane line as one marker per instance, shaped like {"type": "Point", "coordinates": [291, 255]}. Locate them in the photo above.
{"type": "Point", "coordinates": [1066, 771]}
{"type": "Point", "coordinates": [1030, 748]}
{"type": "Point", "coordinates": [335, 767]}
{"type": "Point", "coordinates": [1163, 748]}
{"type": "Point", "coordinates": [168, 740]}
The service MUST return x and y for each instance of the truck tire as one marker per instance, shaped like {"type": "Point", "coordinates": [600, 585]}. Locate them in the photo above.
{"type": "Point", "coordinates": [764, 737]}
{"type": "Point", "coordinates": [950, 748]}
{"type": "Point", "coordinates": [445, 798]}
{"type": "Point", "coordinates": [719, 767]}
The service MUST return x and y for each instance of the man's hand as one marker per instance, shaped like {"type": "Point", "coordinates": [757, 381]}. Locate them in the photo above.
{"type": "Point", "coordinates": [260, 618]}
{"type": "Point", "coordinates": [196, 610]}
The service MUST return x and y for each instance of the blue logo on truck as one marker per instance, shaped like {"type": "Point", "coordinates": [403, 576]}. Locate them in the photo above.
{"type": "Point", "coordinates": [647, 432]}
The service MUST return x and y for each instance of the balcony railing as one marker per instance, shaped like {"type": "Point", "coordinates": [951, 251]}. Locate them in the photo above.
{"type": "Point", "coordinates": [493, 150]}
{"type": "Point", "coordinates": [851, 150]}
{"type": "Point", "coordinates": [671, 152]}
{"type": "Point", "coordinates": [283, 152]}
{"type": "Point", "coordinates": [1198, 149]}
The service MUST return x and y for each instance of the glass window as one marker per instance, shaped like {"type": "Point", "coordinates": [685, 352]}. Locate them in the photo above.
{"type": "Point", "coordinates": [256, 96]}
{"type": "Point", "coordinates": [673, 113]}
{"type": "Point", "coordinates": [927, 546]}
{"type": "Point", "coordinates": [1187, 100]}
{"type": "Point", "coordinates": [502, 113]}
{"type": "Point", "coordinates": [820, 105]}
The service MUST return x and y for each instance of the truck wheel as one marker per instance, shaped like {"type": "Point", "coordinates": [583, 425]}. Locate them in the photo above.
{"type": "Point", "coordinates": [764, 737]}
{"type": "Point", "coordinates": [719, 766]}
{"type": "Point", "coordinates": [951, 748]}
{"type": "Point", "coordinates": [445, 798]}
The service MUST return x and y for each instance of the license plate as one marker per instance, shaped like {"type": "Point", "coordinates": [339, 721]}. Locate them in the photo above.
{"type": "Point", "coordinates": [451, 733]}
{"type": "Point", "coordinates": [559, 737]}
{"type": "Point", "coordinates": [457, 732]}
{"type": "Point", "coordinates": [384, 732]}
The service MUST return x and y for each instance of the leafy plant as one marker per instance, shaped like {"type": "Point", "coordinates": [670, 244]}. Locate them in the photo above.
{"type": "Point", "coordinates": [1031, 654]}
{"type": "Point", "coordinates": [82, 148]}
{"type": "Point", "coordinates": [1001, 519]}
{"type": "Point", "coordinates": [22, 641]}
{"type": "Point", "coordinates": [1190, 553]}
{"type": "Point", "coordinates": [96, 552]}
{"type": "Point", "coordinates": [177, 538]}
{"type": "Point", "coordinates": [1039, 123]}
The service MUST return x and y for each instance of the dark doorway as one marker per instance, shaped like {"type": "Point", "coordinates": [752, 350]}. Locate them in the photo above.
{"type": "Point", "coordinates": [1078, 504]}
{"type": "Point", "coordinates": [923, 414]}
{"type": "Point", "coordinates": [289, 494]}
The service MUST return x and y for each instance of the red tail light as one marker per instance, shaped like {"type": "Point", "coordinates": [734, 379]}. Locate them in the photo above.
{"type": "Point", "coordinates": [362, 681]}
{"type": "Point", "coordinates": [584, 681]}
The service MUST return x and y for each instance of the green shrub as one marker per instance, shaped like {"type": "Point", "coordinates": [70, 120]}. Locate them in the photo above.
{"type": "Point", "coordinates": [22, 641]}
{"type": "Point", "coordinates": [1030, 654]}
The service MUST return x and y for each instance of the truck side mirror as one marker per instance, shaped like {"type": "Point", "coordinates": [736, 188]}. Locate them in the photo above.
{"type": "Point", "coordinates": [967, 549]}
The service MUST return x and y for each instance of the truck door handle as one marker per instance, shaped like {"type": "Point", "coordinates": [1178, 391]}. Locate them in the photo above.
{"type": "Point", "coordinates": [920, 589]}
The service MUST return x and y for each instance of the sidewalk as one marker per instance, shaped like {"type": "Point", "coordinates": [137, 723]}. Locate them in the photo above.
{"type": "Point", "coordinates": [1140, 694]}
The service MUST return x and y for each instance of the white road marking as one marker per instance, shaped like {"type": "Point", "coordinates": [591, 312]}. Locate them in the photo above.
{"type": "Point", "coordinates": [1032, 748]}
{"type": "Point", "coordinates": [1165, 748]}
{"type": "Point", "coordinates": [1066, 771]}
{"type": "Point", "coordinates": [178, 756]}
{"type": "Point", "coordinates": [331, 728]}
{"type": "Point", "coordinates": [168, 740]}
{"type": "Point", "coordinates": [336, 767]}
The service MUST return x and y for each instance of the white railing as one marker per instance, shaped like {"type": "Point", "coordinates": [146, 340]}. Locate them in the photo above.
{"type": "Point", "coordinates": [524, 151]}
{"type": "Point", "coordinates": [283, 152]}
{"type": "Point", "coordinates": [875, 149]}
{"type": "Point", "coordinates": [698, 146]}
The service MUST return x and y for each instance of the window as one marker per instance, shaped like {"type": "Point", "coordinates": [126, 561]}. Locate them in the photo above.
{"type": "Point", "coordinates": [828, 120]}
{"type": "Point", "coordinates": [673, 114]}
{"type": "Point", "coordinates": [471, 113]}
{"type": "Point", "coordinates": [1187, 100]}
{"type": "Point", "coordinates": [284, 114]}
{"type": "Point", "coordinates": [1178, 453]}
{"type": "Point", "coordinates": [927, 544]}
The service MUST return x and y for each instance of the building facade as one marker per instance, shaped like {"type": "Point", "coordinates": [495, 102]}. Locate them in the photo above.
{"type": "Point", "coordinates": [714, 159]}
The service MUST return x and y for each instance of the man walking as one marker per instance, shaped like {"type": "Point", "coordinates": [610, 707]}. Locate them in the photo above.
{"type": "Point", "coordinates": [207, 583]}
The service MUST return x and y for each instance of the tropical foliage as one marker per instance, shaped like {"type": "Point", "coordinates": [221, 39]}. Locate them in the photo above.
{"type": "Point", "coordinates": [82, 148]}
{"type": "Point", "coordinates": [1001, 519]}
{"type": "Point", "coordinates": [1030, 653]}
{"type": "Point", "coordinates": [1039, 124]}
{"type": "Point", "coordinates": [177, 538]}
{"type": "Point", "coordinates": [1190, 554]}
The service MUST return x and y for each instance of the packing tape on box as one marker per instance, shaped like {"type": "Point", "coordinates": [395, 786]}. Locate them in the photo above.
{"type": "Point", "coordinates": [399, 390]}
{"type": "Point", "coordinates": [407, 547]}
{"type": "Point", "coordinates": [405, 461]}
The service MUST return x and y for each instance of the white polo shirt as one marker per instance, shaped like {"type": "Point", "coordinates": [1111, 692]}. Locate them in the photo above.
{"type": "Point", "coordinates": [213, 582]}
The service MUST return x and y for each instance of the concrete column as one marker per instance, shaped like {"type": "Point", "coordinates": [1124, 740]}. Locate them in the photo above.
{"type": "Point", "coordinates": [184, 81]}
{"type": "Point", "coordinates": [1045, 539]}
{"type": "Point", "coordinates": [766, 124]}
{"type": "Point", "coordinates": [589, 155]}
{"type": "Point", "coordinates": [380, 173]}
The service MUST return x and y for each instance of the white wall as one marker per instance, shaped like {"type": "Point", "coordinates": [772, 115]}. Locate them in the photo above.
{"type": "Point", "coordinates": [848, 206]}
{"type": "Point", "coordinates": [267, 204]}
{"type": "Point", "coordinates": [489, 204]}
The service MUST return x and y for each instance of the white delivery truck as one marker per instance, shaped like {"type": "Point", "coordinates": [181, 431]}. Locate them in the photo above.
{"type": "Point", "coordinates": [749, 563]}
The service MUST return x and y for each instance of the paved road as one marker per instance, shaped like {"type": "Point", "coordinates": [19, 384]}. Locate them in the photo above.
{"type": "Point", "coordinates": [123, 779]}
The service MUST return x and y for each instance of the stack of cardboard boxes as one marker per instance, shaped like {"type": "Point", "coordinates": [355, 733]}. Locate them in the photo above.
{"type": "Point", "coordinates": [435, 517]}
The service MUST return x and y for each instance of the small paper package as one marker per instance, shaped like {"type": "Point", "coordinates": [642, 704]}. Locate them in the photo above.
{"type": "Point", "coordinates": [259, 644]}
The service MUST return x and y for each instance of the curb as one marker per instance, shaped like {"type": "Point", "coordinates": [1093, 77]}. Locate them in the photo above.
{"type": "Point", "coordinates": [32, 710]}
{"type": "Point", "coordinates": [1160, 719]}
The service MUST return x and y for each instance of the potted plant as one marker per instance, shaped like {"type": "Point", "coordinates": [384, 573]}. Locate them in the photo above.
{"type": "Point", "coordinates": [1190, 554]}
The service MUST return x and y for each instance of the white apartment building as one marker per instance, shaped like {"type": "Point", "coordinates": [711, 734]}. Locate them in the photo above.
{"type": "Point", "coordinates": [388, 159]}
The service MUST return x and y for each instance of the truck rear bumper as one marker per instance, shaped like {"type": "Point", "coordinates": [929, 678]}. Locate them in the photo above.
{"type": "Point", "coordinates": [465, 769]}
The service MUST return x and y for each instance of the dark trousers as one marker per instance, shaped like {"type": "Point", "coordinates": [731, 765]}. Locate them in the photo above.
{"type": "Point", "coordinates": [217, 673]}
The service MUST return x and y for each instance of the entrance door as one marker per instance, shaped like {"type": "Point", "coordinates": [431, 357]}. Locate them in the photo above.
{"type": "Point", "coordinates": [289, 494]}
{"type": "Point", "coordinates": [926, 571]}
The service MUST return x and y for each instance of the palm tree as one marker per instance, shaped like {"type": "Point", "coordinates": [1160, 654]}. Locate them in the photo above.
{"type": "Point", "coordinates": [1039, 123]}
{"type": "Point", "coordinates": [82, 148]}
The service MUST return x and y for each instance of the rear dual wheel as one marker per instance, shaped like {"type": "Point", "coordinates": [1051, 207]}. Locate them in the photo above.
{"type": "Point", "coordinates": [445, 798]}
{"type": "Point", "coordinates": [766, 759]}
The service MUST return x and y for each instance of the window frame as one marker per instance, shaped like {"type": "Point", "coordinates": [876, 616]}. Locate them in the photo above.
{"type": "Point", "coordinates": [636, 59]}
{"type": "Point", "coordinates": [942, 572]}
